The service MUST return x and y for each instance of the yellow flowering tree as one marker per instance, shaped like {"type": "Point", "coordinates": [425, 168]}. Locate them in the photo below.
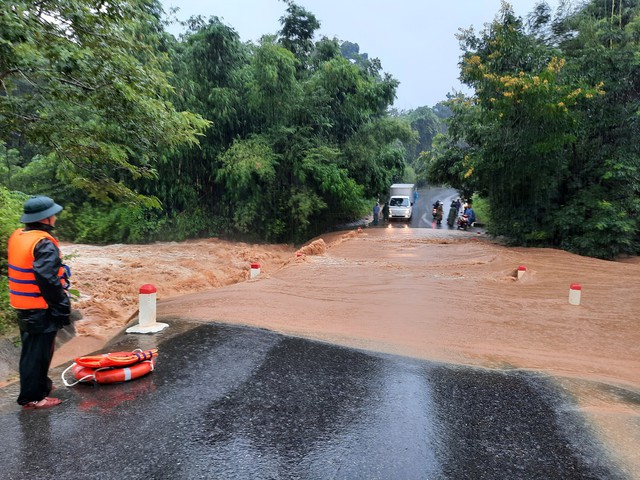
{"type": "Point", "coordinates": [527, 133]}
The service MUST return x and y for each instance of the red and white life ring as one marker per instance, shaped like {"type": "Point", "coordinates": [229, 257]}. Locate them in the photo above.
{"type": "Point", "coordinates": [119, 367]}
{"type": "Point", "coordinates": [112, 374]}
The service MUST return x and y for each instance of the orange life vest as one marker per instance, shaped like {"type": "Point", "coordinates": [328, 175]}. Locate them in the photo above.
{"type": "Point", "coordinates": [24, 292]}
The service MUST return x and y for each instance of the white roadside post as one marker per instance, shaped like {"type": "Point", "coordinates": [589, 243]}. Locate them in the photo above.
{"type": "Point", "coordinates": [147, 312]}
{"type": "Point", "coordinates": [574, 293]}
{"type": "Point", "coordinates": [521, 271]}
{"type": "Point", "coordinates": [255, 270]}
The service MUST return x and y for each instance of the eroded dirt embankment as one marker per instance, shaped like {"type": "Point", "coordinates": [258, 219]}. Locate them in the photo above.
{"type": "Point", "coordinates": [109, 279]}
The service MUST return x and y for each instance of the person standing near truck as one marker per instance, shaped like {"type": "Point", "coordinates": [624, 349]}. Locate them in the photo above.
{"type": "Point", "coordinates": [37, 282]}
{"type": "Point", "coordinates": [385, 212]}
{"type": "Point", "coordinates": [376, 213]}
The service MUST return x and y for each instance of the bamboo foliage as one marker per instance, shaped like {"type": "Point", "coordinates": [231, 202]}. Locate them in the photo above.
{"type": "Point", "coordinates": [81, 81]}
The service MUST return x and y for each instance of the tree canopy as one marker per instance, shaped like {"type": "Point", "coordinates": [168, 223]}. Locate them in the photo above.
{"type": "Point", "coordinates": [549, 135]}
{"type": "Point", "coordinates": [197, 135]}
{"type": "Point", "coordinates": [144, 136]}
{"type": "Point", "coordinates": [84, 82]}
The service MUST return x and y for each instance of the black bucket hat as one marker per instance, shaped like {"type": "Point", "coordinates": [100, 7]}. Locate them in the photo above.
{"type": "Point", "coordinates": [38, 208]}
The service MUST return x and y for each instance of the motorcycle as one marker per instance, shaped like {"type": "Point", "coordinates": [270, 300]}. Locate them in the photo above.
{"type": "Point", "coordinates": [434, 212]}
{"type": "Point", "coordinates": [463, 222]}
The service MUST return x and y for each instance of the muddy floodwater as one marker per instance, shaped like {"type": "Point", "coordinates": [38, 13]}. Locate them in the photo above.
{"type": "Point", "coordinates": [442, 295]}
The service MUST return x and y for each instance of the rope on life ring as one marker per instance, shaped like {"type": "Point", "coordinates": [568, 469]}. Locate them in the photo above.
{"type": "Point", "coordinates": [87, 377]}
{"type": "Point", "coordinates": [116, 359]}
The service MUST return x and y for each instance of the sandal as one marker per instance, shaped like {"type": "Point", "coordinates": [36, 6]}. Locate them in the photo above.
{"type": "Point", "coordinates": [46, 402]}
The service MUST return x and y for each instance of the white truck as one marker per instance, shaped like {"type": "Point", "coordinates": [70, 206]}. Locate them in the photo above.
{"type": "Point", "coordinates": [401, 201]}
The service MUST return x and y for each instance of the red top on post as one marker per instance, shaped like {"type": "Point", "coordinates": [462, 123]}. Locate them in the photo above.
{"type": "Point", "coordinates": [575, 286]}
{"type": "Point", "coordinates": [522, 268]}
{"type": "Point", "coordinates": [255, 265]}
{"type": "Point", "coordinates": [147, 288]}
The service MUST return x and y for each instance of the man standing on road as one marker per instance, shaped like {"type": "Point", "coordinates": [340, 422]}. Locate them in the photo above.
{"type": "Point", "coordinates": [37, 281]}
{"type": "Point", "coordinates": [453, 214]}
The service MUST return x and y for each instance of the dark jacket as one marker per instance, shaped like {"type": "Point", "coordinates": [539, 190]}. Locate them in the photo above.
{"type": "Point", "coordinates": [46, 266]}
{"type": "Point", "coordinates": [453, 213]}
{"type": "Point", "coordinates": [385, 210]}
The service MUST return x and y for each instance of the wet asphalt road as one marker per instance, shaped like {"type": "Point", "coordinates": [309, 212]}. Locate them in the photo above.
{"type": "Point", "coordinates": [230, 402]}
{"type": "Point", "coordinates": [422, 216]}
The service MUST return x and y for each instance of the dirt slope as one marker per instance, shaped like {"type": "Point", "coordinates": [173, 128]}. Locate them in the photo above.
{"type": "Point", "coordinates": [109, 277]}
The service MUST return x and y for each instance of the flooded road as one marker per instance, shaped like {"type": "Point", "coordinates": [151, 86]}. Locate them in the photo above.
{"type": "Point", "coordinates": [407, 304]}
{"type": "Point", "coordinates": [235, 403]}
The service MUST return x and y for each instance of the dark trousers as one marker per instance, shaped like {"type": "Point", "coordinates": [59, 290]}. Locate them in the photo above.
{"type": "Point", "coordinates": [35, 359]}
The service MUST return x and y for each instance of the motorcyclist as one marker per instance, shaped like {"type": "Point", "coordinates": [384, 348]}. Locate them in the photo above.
{"type": "Point", "coordinates": [434, 211]}
{"type": "Point", "coordinates": [471, 215]}
{"type": "Point", "coordinates": [439, 214]}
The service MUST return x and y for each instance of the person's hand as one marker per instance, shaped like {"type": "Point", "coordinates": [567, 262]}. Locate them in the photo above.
{"type": "Point", "coordinates": [62, 320]}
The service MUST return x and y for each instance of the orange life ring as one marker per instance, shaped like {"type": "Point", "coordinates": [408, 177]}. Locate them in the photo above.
{"type": "Point", "coordinates": [116, 359]}
{"type": "Point", "coordinates": [112, 374]}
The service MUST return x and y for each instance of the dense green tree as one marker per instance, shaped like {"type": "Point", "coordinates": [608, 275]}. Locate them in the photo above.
{"type": "Point", "coordinates": [10, 165]}
{"type": "Point", "coordinates": [548, 135]}
{"type": "Point", "coordinates": [292, 136]}
{"type": "Point", "coordinates": [273, 90]}
{"type": "Point", "coordinates": [325, 50]}
{"type": "Point", "coordinates": [10, 211]}
{"type": "Point", "coordinates": [329, 144]}
{"type": "Point", "coordinates": [601, 42]}
{"type": "Point", "coordinates": [297, 32]}
{"type": "Point", "coordinates": [82, 81]}
{"type": "Point", "coordinates": [425, 122]}
{"type": "Point", "coordinates": [209, 79]}
{"type": "Point", "coordinates": [527, 121]}
{"type": "Point", "coordinates": [375, 154]}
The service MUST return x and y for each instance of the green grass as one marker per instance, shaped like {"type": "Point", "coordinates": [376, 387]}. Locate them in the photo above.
{"type": "Point", "coordinates": [481, 207]}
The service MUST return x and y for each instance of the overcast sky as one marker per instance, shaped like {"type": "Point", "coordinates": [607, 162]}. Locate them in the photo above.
{"type": "Point", "coordinates": [414, 39]}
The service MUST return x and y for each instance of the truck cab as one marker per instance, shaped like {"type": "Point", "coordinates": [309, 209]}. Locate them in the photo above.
{"type": "Point", "coordinates": [401, 201]}
{"type": "Point", "coordinates": [400, 207]}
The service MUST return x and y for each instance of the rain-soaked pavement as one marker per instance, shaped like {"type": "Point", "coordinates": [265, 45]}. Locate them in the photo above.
{"type": "Point", "coordinates": [230, 402]}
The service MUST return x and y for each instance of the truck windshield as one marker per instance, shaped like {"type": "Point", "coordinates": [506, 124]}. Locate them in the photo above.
{"type": "Point", "coordinates": [399, 202]}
